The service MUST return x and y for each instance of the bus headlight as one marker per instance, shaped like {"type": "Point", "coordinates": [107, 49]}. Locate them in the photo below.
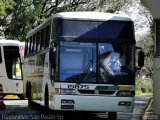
{"type": "Point", "coordinates": [68, 91]}
{"type": "Point", "coordinates": [124, 103]}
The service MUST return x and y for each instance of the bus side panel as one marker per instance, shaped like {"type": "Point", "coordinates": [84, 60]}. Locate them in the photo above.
{"type": "Point", "coordinates": [7, 88]}
{"type": "Point", "coordinates": [36, 72]}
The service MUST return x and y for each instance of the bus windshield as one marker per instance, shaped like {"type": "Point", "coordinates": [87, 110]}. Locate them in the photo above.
{"type": "Point", "coordinates": [96, 63]}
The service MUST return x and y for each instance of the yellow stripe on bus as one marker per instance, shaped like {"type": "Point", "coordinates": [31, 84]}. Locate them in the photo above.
{"type": "Point", "coordinates": [124, 88]}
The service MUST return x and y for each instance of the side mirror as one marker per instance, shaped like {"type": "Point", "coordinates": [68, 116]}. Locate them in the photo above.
{"type": "Point", "coordinates": [140, 59]}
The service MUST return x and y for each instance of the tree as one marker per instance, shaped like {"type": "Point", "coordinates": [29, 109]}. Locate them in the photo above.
{"type": "Point", "coordinates": [5, 7]}
{"type": "Point", "coordinates": [147, 46]}
{"type": "Point", "coordinates": [22, 18]}
{"type": "Point", "coordinates": [27, 14]}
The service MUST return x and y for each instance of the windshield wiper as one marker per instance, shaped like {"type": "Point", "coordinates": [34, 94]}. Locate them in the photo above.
{"type": "Point", "coordinates": [86, 73]}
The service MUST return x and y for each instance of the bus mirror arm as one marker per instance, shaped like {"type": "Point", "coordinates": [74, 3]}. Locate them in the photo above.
{"type": "Point", "coordinates": [138, 68]}
{"type": "Point", "coordinates": [140, 57]}
{"type": "Point", "coordinates": [138, 48]}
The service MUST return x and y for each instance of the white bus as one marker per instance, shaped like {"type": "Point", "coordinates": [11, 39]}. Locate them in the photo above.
{"type": "Point", "coordinates": [63, 68]}
{"type": "Point", "coordinates": [10, 67]}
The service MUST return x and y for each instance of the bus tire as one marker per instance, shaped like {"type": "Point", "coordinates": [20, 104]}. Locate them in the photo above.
{"type": "Point", "coordinates": [112, 115]}
{"type": "Point", "coordinates": [29, 95]}
{"type": "Point", "coordinates": [21, 96]}
{"type": "Point", "coordinates": [46, 97]}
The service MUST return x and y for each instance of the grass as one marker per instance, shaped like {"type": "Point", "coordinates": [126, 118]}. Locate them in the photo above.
{"type": "Point", "coordinates": [143, 87]}
{"type": "Point", "coordinates": [139, 93]}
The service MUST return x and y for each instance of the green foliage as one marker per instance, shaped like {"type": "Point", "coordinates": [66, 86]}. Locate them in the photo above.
{"type": "Point", "coordinates": [110, 6]}
{"type": "Point", "coordinates": [144, 86]}
{"type": "Point", "coordinates": [6, 5]}
{"type": "Point", "coordinates": [23, 15]}
{"type": "Point", "coordinates": [147, 45]}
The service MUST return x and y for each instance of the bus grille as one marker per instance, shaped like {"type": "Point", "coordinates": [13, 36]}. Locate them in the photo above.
{"type": "Point", "coordinates": [109, 92]}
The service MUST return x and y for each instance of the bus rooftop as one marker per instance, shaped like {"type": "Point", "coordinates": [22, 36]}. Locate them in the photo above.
{"type": "Point", "coordinates": [95, 16]}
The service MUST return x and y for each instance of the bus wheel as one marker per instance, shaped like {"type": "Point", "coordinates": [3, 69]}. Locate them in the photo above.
{"type": "Point", "coordinates": [29, 95]}
{"type": "Point", "coordinates": [112, 115]}
{"type": "Point", "coordinates": [21, 96]}
{"type": "Point", "coordinates": [46, 97]}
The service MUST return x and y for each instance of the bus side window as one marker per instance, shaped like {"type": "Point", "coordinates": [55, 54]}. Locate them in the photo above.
{"type": "Point", "coordinates": [30, 45]}
{"type": "Point", "coordinates": [38, 42]}
{"type": "Point", "coordinates": [12, 60]}
{"type": "Point", "coordinates": [47, 37]}
{"type": "Point", "coordinates": [26, 47]}
{"type": "Point", "coordinates": [53, 34]}
{"type": "Point", "coordinates": [42, 39]}
{"type": "Point", "coordinates": [52, 61]}
{"type": "Point", "coordinates": [33, 43]}
{"type": "Point", "coordinates": [16, 69]}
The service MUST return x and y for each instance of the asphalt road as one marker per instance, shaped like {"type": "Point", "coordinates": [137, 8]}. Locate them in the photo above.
{"type": "Point", "coordinates": [19, 110]}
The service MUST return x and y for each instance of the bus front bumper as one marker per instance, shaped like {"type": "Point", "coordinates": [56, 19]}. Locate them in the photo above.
{"type": "Point", "coordinates": [93, 103]}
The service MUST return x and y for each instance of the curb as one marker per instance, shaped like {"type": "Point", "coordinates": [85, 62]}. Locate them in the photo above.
{"type": "Point", "coordinates": [147, 108]}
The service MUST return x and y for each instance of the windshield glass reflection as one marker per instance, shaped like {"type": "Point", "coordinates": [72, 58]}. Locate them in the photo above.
{"type": "Point", "coordinates": [96, 63]}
